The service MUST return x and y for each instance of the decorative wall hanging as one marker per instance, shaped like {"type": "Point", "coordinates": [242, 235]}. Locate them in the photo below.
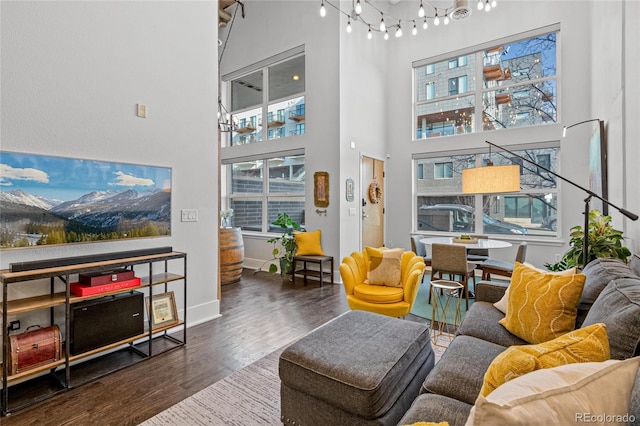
{"type": "Point", "coordinates": [375, 192]}
{"type": "Point", "coordinates": [53, 200]}
{"type": "Point", "coordinates": [321, 189]}
{"type": "Point", "coordinates": [350, 184]}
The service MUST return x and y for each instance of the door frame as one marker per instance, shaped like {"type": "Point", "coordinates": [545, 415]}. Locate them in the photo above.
{"type": "Point", "coordinates": [361, 195]}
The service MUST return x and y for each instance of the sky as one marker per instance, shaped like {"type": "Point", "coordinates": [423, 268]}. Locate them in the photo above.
{"type": "Point", "coordinates": [66, 179]}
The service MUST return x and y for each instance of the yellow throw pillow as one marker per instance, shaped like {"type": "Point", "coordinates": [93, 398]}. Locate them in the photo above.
{"type": "Point", "coordinates": [541, 306]}
{"type": "Point", "coordinates": [502, 304]}
{"type": "Point", "coordinates": [589, 344]}
{"type": "Point", "coordinates": [308, 243]}
{"type": "Point", "coordinates": [384, 266]}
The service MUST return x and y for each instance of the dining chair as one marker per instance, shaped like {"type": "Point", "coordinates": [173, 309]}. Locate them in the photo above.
{"type": "Point", "coordinates": [418, 248]}
{"type": "Point", "coordinates": [501, 267]}
{"type": "Point", "coordinates": [478, 254]}
{"type": "Point", "coordinates": [452, 260]}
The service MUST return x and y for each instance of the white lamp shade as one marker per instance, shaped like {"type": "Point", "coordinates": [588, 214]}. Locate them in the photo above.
{"type": "Point", "coordinates": [491, 179]}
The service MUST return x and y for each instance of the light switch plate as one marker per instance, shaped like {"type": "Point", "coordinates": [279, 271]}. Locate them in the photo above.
{"type": "Point", "coordinates": [189, 215]}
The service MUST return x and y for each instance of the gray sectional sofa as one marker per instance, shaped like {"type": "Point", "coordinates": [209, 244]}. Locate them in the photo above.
{"type": "Point", "coordinates": [611, 295]}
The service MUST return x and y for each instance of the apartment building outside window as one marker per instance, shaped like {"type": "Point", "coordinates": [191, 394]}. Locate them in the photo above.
{"type": "Point", "coordinates": [440, 205]}
{"type": "Point", "coordinates": [275, 92]}
{"type": "Point", "coordinates": [262, 188]}
{"type": "Point", "coordinates": [507, 83]}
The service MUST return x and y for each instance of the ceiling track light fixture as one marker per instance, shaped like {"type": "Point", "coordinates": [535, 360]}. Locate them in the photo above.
{"type": "Point", "coordinates": [460, 10]}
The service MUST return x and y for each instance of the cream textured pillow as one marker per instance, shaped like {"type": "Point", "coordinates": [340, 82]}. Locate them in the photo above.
{"type": "Point", "coordinates": [541, 306]}
{"type": "Point", "coordinates": [502, 304]}
{"type": "Point", "coordinates": [589, 344]}
{"type": "Point", "coordinates": [569, 394]}
{"type": "Point", "coordinates": [384, 266]}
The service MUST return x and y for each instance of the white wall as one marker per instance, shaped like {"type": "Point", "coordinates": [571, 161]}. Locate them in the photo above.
{"type": "Point", "coordinates": [72, 73]}
{"type": "Point", "coordinates": [269, 28]}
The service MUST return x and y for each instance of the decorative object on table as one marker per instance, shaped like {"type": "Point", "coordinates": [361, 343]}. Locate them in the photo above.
{"type": "Point", "coordinates": [225, 218]}
{"type": "Point", "coordinates": [162, 310]}
{"type": "Point", "coordinates": [33, 348]}
{"type": "Point", "coordinates": [375, 192]}
{"type": "Point", "coordinates": [603, 241]}
{"type": "Point", "coordinates": [92, 195]}
{"type": "Point", "coordinates": [231, 255]}
{"type": "Point", "coordinates": [349, 189]}
{"type": "Point", "coordinates": [474, 182]}
{"type": "Point", "coordinates": [465, 239]}
{"type": "Point", "coordinates": [321, 189]}
{"type": "Point", "coordinates": [284, 246]}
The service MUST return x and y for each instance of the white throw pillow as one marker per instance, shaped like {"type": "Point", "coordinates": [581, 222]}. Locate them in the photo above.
{"type": "Point", "coordinates": [589, 392]}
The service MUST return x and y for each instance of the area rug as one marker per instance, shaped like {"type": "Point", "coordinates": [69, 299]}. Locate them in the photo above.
{"type": "Point", "coordinates": [423, 308]}
{"type": "Point", "coordinates": [250, 396]}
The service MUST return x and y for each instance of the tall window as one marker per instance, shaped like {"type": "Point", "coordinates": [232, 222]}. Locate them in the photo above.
{"type": "Point", "coordinates": [277, 92]}
{"type": "Point", "coordinates": [442, 207]}
{"type": "Point", "coordinates": [507, 83]}
{"type": "Point", "coordinates": [262, 188]}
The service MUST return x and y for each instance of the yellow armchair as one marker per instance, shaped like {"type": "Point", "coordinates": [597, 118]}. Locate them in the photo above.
{"type": "Point", "coordinates": [390, 301]}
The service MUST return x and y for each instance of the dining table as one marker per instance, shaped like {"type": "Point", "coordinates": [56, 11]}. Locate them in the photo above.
{"type": "Point", "coordinates": [479, 243]}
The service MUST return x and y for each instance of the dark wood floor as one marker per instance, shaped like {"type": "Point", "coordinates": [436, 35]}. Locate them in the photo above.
{"type": "Point", "coordinates": [259, 314]}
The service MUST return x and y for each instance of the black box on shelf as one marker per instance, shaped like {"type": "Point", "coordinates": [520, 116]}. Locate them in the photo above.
{"type": "Point", "coordinates": [100, 322]}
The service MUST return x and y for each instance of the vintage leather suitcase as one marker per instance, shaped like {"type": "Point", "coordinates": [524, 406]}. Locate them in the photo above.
{"type": "Point", "coordinates": [34, 348]}
{"type": "Point", "coordinates": [106, 277]}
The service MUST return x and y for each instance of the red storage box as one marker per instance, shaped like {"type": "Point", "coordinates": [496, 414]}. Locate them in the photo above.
{"type": "Point", "coordinates": [106, 277]}
{"type": "Point", "coordinates": [87, 290]}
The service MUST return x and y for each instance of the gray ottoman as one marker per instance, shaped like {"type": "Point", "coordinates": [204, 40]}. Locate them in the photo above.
{"type": "Point", "coordinates": [358, 369]}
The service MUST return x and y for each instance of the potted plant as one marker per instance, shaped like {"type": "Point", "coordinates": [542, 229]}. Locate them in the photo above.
{"type": "Point", "coordinates": [604, 241]}
{"type": "Point", "coordinates": [284, 246]}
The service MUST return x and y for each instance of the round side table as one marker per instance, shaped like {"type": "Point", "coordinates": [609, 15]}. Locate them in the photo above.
{"type": "Point", "coordinates": [445, 309]}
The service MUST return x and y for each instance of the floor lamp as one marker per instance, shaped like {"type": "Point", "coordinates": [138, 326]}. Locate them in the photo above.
{"type": "Point", "coordinates": [478, 175]}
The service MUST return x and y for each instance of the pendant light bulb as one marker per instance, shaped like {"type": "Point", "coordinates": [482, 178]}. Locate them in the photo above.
{"type": "Point", "coordinates": [425, 24]}
{"type": "Point", "coordinates": [349, 26]}
{"type": "Point", "coordinates": [369, 34]}
{"type": "Point", "coordinates": [494, 3]}
{"type": "Point", "coordinates": [480, 5]}
{"type": "Point", "coordinates": [421, 10]}
{"type": "Point", "coordinates": [414, 30]}
{"type": "Point", "coordinates": [386, 35]}
{"type": "Point", "coordinates": [487, 6]}
{"type": "Point", "coordinates": [399, 31]}
{"type": "Point", "coordinates": [358, 7]}
{"type": "Point", "coordinates": [323, 10]}
{"type": "Point", "coordinates": [436, 20]}
{"type": "Point", "coordinates": [446, 19]}
{"type": "Point", "coordinates": [383, 27]}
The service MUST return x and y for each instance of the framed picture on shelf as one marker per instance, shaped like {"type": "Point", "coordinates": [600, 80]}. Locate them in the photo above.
{"type": "Point", "coordinates": [162, 311]}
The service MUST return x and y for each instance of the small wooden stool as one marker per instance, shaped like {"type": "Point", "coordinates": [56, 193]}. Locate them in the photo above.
{"type": "Point", "coordinates": [312, 272]}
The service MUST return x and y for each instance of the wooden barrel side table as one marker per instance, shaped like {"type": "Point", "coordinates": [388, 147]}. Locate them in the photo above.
{"type": "Point", "coordinates": [231, 255]}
